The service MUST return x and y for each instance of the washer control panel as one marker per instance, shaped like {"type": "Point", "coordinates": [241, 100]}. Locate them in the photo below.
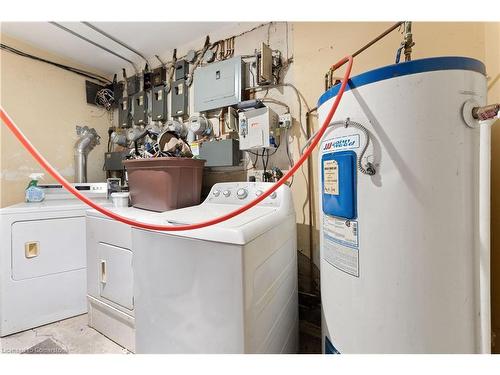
{"type": "Point", "coordinates": [241, 193]}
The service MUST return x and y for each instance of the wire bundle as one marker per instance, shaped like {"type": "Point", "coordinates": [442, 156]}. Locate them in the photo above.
{"type": "Point", "coordinates": [62, 66]}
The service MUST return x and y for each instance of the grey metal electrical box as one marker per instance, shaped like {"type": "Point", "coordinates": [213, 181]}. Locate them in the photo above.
{"type": "Point", "coordinates": [140, 106]}
{"type": "Point", "coordinates": [159, 76]}
{"type": "Point", "coordinates": [159, 103]}
{"type": "Point", "coordinates": [179, 106]}
{"type": "Point", "coordinates": [223, 153]}
{"type": "Point", "coordinates": [113, 161]}
{"type": "Point", "coordinates": [181, 69]}
{"type": "Point", "coordinates": [218, 85]}
{"type": "Point", "coordinates": [124, 118]}
{"type": "Point", "coordinates": [133, 84]}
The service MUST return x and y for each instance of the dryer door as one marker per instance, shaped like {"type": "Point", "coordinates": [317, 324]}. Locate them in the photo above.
{"type": "Point", "coordinates": [47, 246]}
{"type": "Point", "coordinates": [116, 276]}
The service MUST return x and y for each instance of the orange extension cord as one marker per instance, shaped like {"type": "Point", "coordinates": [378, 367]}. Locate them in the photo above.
{"type": "Point", "coordinates": [46, 165]}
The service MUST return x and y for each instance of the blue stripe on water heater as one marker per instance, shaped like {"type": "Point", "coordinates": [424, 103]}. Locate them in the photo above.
{"type": "Point", "coordinates": [406, 68]}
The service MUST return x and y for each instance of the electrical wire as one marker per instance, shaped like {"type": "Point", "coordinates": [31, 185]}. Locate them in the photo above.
{"type": "Point", "coordinates": [81, 72]}
{"type": "Point", "coordinates": [105, 97]}
{"type": "Point", "coordinates": [290, 159]}
{"type": "Point", "coordinates": [300, 99]}
{"type": "Point", "coordinates": [275, 101]}
{"type": "Point", "coordinates": [369, 169]}
{"type": "Point", "coordinates": [54, 173]}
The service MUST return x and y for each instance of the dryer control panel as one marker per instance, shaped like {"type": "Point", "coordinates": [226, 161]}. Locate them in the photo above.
{"type": "Point", "coordinates": [240, 193]}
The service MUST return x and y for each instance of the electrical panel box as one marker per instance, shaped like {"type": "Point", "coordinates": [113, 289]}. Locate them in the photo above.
{"type": "Point", "coordinates": [113, 161]}
{"type": "Point", "coordinates": [91, 90]}
{"type": "Point", "coordinates": [338, 178]}
{"type": "Point", "coordinates": [140, 106]}
{"type": "Point", "coordinates": [265, 65]}
{"type": "Point", "coordinates": [179, 105]}
{"type": "Point", "coordinates": [231, 121]}
{"type": "Point", "coordinates": [222, 153]}
{"type": "Point", "coordinates": [181, 69]}
{"type": "Point", "coordinates": [255, 126]}
{"type": "Point", "coordinates": [159, 103]}
{"type": "Point", "coordinates": [124, 117]}
{"type": "Point", "coordinates": [159, 76]}
{"type": "Point", "coordinates": [218, 85]}
{"type": "Point", "coordinates": [117, 89]}
{"type": "Point", "coordinates": [147, 78]}
{"type": "Point", "coordinates": [133, 85]}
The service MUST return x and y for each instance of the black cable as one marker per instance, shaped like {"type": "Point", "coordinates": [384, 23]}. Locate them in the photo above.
{"type": "Point", "coordinates": [61, 66]}
{"type": "Point", "coordinates": [253, 153]}
{"type": "Point", "coordinates": [265, 163]}
{"type": "Point", "coordinates": [274, 151]}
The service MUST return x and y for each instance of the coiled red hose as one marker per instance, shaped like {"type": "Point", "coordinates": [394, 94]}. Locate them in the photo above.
{"type": "Point", "coordinates": [46, 165]}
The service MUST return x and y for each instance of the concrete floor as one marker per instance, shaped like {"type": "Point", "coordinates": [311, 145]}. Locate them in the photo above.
{"type": "Point", "coordinates": [72, 335]}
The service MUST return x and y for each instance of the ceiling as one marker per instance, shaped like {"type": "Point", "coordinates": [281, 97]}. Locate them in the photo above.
{"type": "Point", "coordinates": [149, 38]}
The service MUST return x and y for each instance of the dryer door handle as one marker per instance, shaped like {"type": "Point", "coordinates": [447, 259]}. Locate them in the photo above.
{"type": "Point", "coordinates": [103, 271]}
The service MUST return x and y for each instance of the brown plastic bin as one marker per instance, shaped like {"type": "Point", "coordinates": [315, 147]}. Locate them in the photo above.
{"type": "Point", "coordinates": [162, 184]}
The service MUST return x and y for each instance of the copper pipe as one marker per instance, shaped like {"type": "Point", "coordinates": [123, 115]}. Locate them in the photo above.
{"type": "Point", "coordinates": [368, 45]}
{"type": "Point", "coordinates": [310, 193]}
{"type": "Point", "coordinates": [486, 113]}
{"type": "Point", "coordinates": [329, 74]}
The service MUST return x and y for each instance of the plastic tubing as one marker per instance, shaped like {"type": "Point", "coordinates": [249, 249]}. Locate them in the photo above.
{"type": "Point", "coordinates": [175, 228]}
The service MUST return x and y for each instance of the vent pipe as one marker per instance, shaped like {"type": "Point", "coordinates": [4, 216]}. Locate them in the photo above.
{"type": "Point", "coordinates": [87, 140]}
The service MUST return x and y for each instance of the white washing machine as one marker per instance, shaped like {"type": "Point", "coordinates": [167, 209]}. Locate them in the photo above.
{"type": "Point", "coordinates": [110, 281]}
{"type": "Point", "coordinates": [227, 288]}
{"type": "Point", "coordinates": [42, 258]}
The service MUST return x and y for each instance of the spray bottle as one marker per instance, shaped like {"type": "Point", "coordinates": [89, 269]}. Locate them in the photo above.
{"type": "Point", "coordinates": [33, 192]}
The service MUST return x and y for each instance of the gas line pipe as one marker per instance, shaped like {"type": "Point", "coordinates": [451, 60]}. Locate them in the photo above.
{"type": "Point", "coordinates": [175, 228]}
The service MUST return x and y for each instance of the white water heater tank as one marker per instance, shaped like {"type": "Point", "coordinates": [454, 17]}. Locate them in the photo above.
{"type": "Point", "coordinates": [405, 251]}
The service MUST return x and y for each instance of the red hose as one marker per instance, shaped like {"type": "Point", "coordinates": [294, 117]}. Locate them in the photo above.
{"type": "Point", "coordinates": [45, 164]}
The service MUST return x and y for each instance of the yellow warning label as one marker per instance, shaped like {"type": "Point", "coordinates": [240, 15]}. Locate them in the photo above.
{"type": "Point", "coordinates": [331, 177]}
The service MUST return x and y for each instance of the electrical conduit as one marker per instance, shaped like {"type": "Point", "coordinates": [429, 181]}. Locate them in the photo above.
{"type": "Point", "coordinates": [46, 165]}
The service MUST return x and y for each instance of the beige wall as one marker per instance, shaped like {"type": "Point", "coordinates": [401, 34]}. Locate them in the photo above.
{"type": "Point", "coordinates": [318, 45]}
{"type": "Point", "coordinates": [47, 103]}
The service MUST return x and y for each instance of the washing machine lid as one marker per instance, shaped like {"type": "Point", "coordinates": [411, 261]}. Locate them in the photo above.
{"type": "Point", "coordinates": [238, 230]}
{"type": "Point", "coordinates": [204, 212]}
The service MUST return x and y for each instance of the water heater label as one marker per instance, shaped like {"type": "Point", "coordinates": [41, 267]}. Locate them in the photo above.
{"type": "Point", "coordinates": [342, 257]}
{"type": "Point", "coordinates": [341, 241]}
{"type": "Point", "coordinates": [346, 142]}
{"type": "Point", "coordinates": [345, 232]}
{"type": "Point", "coordinates": [331, 177]}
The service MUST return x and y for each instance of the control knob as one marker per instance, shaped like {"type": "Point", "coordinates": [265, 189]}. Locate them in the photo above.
{"type": "Point", "coordinates": [242, 193]}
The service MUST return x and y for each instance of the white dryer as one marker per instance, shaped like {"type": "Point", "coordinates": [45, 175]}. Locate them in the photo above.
{"type": "Point", "coordinates": [227, 288]}
{"type": "Point", "coordinates": [110, 283]}
{"type": "Point", "coordinates": [42, 258]}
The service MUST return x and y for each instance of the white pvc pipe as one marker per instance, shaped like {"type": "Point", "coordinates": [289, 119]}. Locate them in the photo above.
{"type": "Point", "coordinates": [484, 237]}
